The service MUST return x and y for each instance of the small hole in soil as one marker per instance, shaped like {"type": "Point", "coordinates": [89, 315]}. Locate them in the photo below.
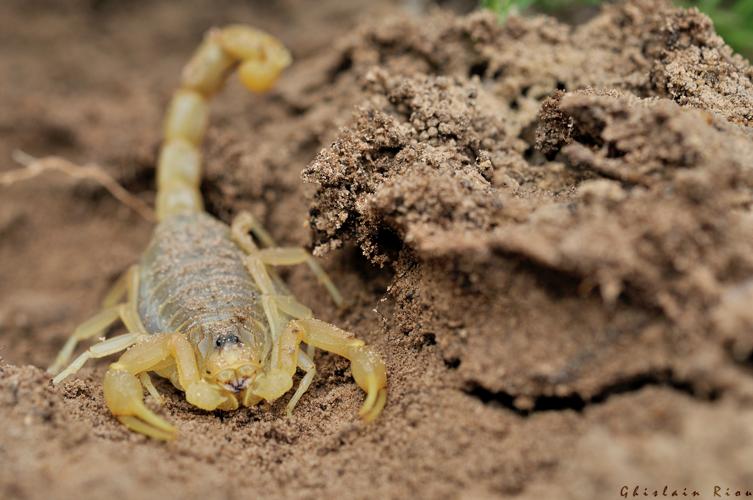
{"type": "Point", "coordinates": [478, 69]}
{"type": "Point", "coordinates": [214, 203]}
{"type": "Point", "coordinates": [561, 85]}
{"type": "Point", "coordinates": [374, 278]}
{"type": "Point", "coordinates": [429, 339]}
{"type": "Point", "coordinates": [389, 242]}
{"type": "Point", "coordinates": [345, 64]}
{"type": "Point", "coordinates": [138, 177]}
{"type": "Point", "coordinates": [614, 152]}
{"type": "Point", "coordinates": [452, 363]}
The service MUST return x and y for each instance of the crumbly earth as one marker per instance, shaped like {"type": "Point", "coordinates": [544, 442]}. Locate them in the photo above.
{"type": "Point", "coordinates": [544, 229]}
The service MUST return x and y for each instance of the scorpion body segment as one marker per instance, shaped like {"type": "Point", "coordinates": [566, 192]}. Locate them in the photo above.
{"type": "Point", "coordinates": [192, 277]}
{"type": "Point", "coordinates": [202, 307]}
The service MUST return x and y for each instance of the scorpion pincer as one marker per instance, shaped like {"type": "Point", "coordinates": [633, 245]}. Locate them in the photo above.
{"type": "Point", "coordinates": [203, 307]}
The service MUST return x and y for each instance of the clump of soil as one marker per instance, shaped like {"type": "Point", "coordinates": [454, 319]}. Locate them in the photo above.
{"type": "Point", "coordinates": [544, 229]}
{"type": "Point", "coordinates": [632, 206]}
{"type": "Point", "coordinates": [416, 163]}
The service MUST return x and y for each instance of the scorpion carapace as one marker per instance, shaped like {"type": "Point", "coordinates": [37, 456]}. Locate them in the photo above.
{"type": "Point", "coordinates": [203, 307]}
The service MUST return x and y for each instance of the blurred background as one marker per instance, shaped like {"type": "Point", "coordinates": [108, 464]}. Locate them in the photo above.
{"type": "Point", "coordinates": [733, 18]}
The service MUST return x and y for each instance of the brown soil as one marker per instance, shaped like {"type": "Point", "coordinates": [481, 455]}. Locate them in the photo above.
{"type": "Point", "coordinates": [545, 230]}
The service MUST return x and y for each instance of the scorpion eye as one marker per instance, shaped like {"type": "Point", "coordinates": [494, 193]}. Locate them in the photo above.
{"type": "Point", "coordinates": [227, 339]}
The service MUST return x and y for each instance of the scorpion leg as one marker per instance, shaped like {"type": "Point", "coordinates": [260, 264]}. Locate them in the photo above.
{"type": "Point", "coordinates": [100, 350]}
{"type": "Point", "coordinates": [279, 380]}
{"type": "Point", "coordinates": [146, 381]}
{"type": "Point", "coordinates": [119, 290]}
{"type": "Point", "coordinates": [264, 281]}
{"type": "Point", "coordinates": [287, 304]}
{"type": "Point", "coordinates": [277, 256]}
{"type": "Point", "coordinates": [291, 256]}
{"type": "Point", "coordinates": [273, 306]}
{"type": "Point", "coordinates": [124, 392]}
{"type": "Point", "coordinates": [93, 327]}
{"type": "Point", "coordinates": [244, 223]}
{"type": "Point", "coordinates": [305, 363]}
{"type": "Point", "coordinates": [98, 324]}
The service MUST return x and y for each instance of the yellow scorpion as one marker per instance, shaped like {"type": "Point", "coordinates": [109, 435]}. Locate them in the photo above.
{"type": "Point", "coordinates": [202, 307]}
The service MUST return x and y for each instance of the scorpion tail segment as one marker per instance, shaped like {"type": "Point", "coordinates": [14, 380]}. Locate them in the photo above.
{"type": "Point", "coordinates": [179, 164]}
{"type": "Point", "coordinates": [124, 396]}
{"type": "Point", "coordinates": [260, 59]}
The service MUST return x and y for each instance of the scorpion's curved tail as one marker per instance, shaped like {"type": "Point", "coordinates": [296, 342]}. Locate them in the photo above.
{"type": "Point", "coordinates": [259, 57]}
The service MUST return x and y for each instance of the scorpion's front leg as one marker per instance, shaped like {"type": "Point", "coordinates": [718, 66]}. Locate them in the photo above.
{"type": "Point", "coordinates": [124, 392]}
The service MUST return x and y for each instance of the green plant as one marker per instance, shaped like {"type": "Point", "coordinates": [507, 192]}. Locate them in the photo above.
{"type": "Point", "coordinates": [503, 8]}
{"type": "Point", "coordinates": [733, 19]}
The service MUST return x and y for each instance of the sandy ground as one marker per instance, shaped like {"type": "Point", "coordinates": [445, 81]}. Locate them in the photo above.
{"type": "Point", "coordinates": [544, 229]}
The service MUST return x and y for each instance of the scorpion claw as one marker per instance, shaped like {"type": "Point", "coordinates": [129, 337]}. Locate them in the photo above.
{"type": "Point", "coordinates": [123, 395]}
{"type": "Point", "coordinates": [204, 395]}
{"type": "Point", "coordinates": [370, 374]}
{"type": "Point", "coordinates": [371, 411]}
{"type": "Point", "coordinates": [272, 385]}
{"type": "Point", "coordinates": [142, 427]}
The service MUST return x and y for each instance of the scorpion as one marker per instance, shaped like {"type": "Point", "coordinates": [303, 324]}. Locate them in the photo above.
{"type": "Point", "coordinates": [204, 306]}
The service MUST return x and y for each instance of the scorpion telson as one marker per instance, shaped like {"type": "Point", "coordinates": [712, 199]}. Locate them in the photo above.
{"type": "Point", "coordinates": [202, 308]}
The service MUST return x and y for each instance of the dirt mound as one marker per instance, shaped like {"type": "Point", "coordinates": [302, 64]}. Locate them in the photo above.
{"type": "Point", "coordinates": [545, 230]}
{"type": "Point", "coordinates": [423, 169]}
{"type": "Point", "coordinates": [638, 218]}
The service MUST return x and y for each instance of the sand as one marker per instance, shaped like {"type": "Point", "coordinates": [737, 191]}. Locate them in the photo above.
{"type": "Point", "coordinates": [544, 229]}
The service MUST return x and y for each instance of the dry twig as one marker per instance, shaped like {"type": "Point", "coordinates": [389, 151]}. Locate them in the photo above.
{"type": "Point", "coordinates": [33, 167]}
